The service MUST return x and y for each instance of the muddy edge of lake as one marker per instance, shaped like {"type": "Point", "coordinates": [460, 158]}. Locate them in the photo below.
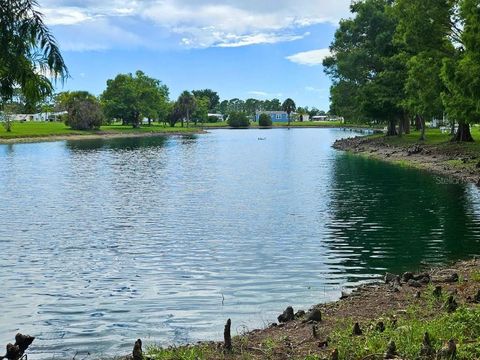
{"type": "Point", "coordinates": [383, 301]}
{"type": "Point", "coordinates": [456, 163]}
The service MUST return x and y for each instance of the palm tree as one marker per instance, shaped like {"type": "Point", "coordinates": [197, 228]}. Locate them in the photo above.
{"type": "Point", "coordinates": [289, 106]}
{"type": "Point", "coordinates": [187, 104]}
{"type": "Point", "coordinates": [29, 55]}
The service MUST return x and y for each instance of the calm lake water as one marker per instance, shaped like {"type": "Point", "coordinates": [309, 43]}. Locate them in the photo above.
{"type": "Point", "coordinates": [103, 242]}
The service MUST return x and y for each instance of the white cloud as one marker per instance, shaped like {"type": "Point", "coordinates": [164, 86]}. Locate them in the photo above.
{"type": "Point", "coordinates": [310, 58]}
{"type": "Point", "coordinates": [264, 95]}
{"type": "Point", "coordinates": [206, 23]}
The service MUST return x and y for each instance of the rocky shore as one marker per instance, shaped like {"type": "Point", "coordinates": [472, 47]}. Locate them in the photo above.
{"type": "Point", "coordinates": [458, 162]}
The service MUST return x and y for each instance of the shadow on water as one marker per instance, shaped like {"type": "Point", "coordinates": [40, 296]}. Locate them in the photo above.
{"type": "Point", "coordinates": [385, 217]}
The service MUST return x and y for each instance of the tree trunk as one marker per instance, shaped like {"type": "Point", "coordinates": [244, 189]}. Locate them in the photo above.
{"type": "Point", "coordinates": [463, 133]}
{"type": "Point", "coordinates": [422, 124]}
{"type": "Point", "coordinates": [391, 129]}
{"type": "Point", "coordinates": [288, 119]}
{"type": "Point", "coordinates": [418, 124]}
{"type": "Point", "coordinates": [406, 122]}
{"type": "Point", "coordinates": [149, 122]}
{"type": "Point", "coordinates": [400, 127]}
{"type": "Point", "coordinates": [188, 118]}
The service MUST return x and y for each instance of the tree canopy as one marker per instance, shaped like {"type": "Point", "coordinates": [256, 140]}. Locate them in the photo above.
{"type": "Point", "coordinates": [131, 97]}
{"type": "Point", "coordinates": [395, 61]}
{"type": "Point", "coordinates": [29, 54]}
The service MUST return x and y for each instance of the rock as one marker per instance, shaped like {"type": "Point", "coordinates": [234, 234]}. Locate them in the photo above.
{"type": "Point", "coordinates": [344, 295]}
{"type": "Point", "coordinates": [314, 315]}
{"type": "Point", "coordinates": [380, 327]}
{"type": "Point", "coordinates": [422, 278]}
{"type": "Point", "coordinates": [357, 331]}
{"type": "Point", "coordinates": [426, 350]}
{"type": "Point", "coordinates": [334, 355]}
{"type": "Point", "coordinates": [476, 298]}
{"type": "Point", "coordinates": [314, 331]}
{"type": "Point", "coordinates": [389, 278]}
{"type": "Point", "coordinates": [414, 150]}
{"type": "Point", "coordinates": [287, 315]}
{"type": "Point", "coordinates": [137, 350]}
{"type": "Point", "coordinates": [437, 292]}
{"type": "Point", "coordinates": [452, 278]}
{"type": "Point", "coordinates": [407, 276]}
{"type": "Point", "coordinates": [391, 352]}
{"type": "Point", "coordinates": [414, 283]}
{"type": "Point", "coordinates": [418, 295]}
{"type": "Point", "coordinates": [451, 304]}
{"type": "Point", "coordinates": [449, 350]}
{"type": "Point", "coordinates": [323, 344]}
{"type": "Point", "coordinates": [299, 314]}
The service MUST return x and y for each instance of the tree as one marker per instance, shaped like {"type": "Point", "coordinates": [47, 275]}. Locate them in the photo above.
{"type": "Point", "coordinates": [461, 74]}
{"type": "Point", "coordinates": [130, 98]}
{"type": "Point", "coordinates": [289, 106]}
{"type": "Point", "coordinates": [186, 102]}
{"type": "Point", "coordinates": [424, 34]}
{"type": "Point", "coordinates": [28, 52]}
{"type": "Point", "coordinates": [84, 111]}
{"type": "Point", "coordinates": [264, 120]}
{"type": "Point", "coordinates": [212, 96]}
{"type": "Point", "coordinates": [238, 119]}
{"type": "Point", "coordinates": [174, 113]}
{"type": "Point", "coordinates": [201, 109]}
{"type": "Point", "coordinates": [367, 72]}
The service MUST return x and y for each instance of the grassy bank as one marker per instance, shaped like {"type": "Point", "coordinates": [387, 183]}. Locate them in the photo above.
{"type": "Point", "coordinates": [55, 129]}
{"type": "Point", "coordinates": [401, 311]}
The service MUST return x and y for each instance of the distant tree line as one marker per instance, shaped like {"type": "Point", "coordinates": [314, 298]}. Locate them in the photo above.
{"type": "Point", "coordinates": [403, 62]}
{"type": "Point", "coordinates": [30, 59]}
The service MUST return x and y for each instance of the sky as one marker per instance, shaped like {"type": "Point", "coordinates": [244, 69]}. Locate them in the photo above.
{"type": "Point", "coordinates": [239, 48]}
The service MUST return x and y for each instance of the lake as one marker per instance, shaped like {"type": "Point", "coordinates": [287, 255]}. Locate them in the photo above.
{"type": "Point", "coordinates": [164, 238]}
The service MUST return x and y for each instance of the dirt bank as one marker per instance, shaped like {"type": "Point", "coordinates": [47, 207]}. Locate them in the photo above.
{"type": "Point", "coordinates": [459, 162]}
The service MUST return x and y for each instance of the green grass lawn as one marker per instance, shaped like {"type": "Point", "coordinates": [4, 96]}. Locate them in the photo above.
{"type": "Point", "coordinates": [434, 137]}
{"type": "Point", "coordinates": [44, 129]}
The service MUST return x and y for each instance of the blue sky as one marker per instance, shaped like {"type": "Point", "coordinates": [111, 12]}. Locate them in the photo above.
{"type": "Point", "coordinates": [239, 48]}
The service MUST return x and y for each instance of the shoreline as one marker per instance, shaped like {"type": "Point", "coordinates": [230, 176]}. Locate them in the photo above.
{"type": "Point", "coordinates": [381, 310]}
{"type": "Point", "coordinates": [90, 136]}
{"type": "Point", "coordinates": [201, 130]}
{"type": "Point", "coordinates": [451, 160]}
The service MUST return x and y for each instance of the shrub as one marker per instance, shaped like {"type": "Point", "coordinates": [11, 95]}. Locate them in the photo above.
{"type": "Point", "coordinates": [84, 114]}
{"type": "Point", "coordinates": [264, 120]}
{"type": "Point", "coordinates": [238, 120]}
{"type": "Point", "coordinates": [212, 119]}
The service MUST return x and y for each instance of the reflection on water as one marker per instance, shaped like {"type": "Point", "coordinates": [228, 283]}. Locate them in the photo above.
{"type": "Point", "coordinates": [106, 241]}
{"type": "Point", "coordinates": [389, 218]}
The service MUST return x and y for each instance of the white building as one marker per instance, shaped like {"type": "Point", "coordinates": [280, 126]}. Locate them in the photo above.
{"type": "Point", "coordinates": [44, 116]}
